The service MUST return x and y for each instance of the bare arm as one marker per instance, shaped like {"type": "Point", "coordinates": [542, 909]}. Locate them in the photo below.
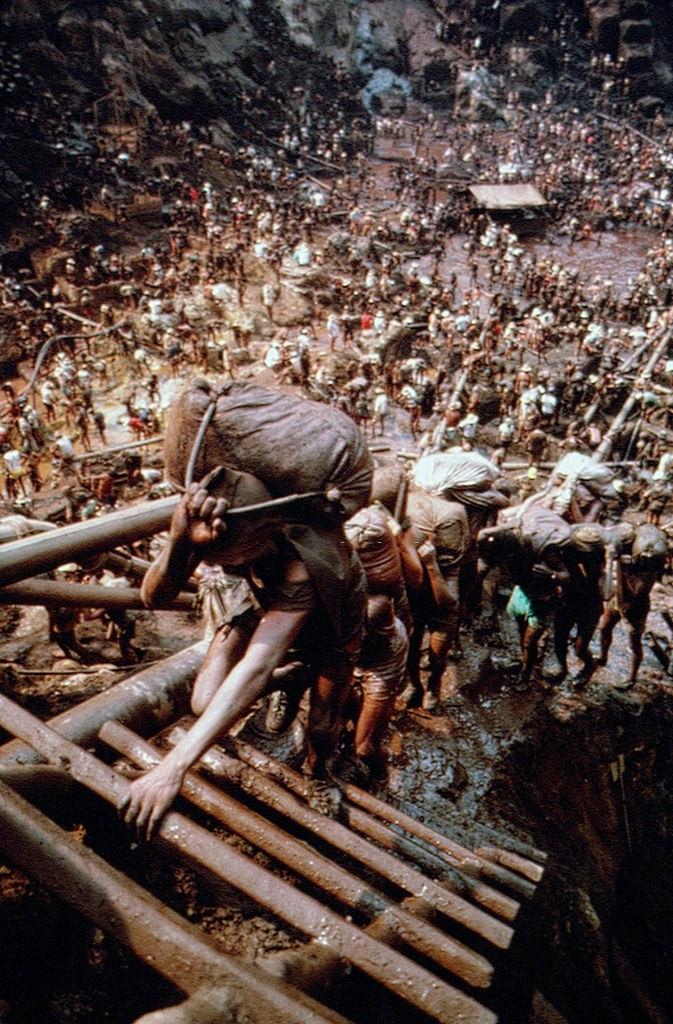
{"type": "Point", "coordinates": [443, 599]}
{"type": "Point", "coordinates": [152, 794]}
{"type": "Point", "coordinates": [197, 523]}
{"type": "Point", "coordinates": [169, 573]}
{"type": "Point", "coordinates": [411, 565]}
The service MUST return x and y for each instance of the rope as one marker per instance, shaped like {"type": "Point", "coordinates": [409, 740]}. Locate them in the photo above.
{"type": "Point", "coordinates": [198, 441]}
{"type": "Point", "coordinates": [261, 506]}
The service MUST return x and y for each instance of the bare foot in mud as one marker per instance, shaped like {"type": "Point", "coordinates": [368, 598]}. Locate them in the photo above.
{"type": "Point", "coordinates": [521, 684]}
{"type": "Point", "coordinates": [353, 770]}
{"type": "Point", "coordinates": [554, 672]}
{"type": "Point", "coordinates": [583, 675]}
{"type": "Point", "coordinates": [505, 663]}
{"type": "Point", "coordinates": [430, 701]}
{"type": "Point", "coordinates": [324, 797]}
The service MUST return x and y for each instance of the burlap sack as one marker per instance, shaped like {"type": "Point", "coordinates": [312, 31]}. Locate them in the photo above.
{"type": "Point", "coordinates": [292, 445]}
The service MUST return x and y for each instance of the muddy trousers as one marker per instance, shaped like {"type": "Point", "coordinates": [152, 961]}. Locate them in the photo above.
{"type": "Point", "coordinates": [376, 705]}
{"type": "Point", "coordinates": [443, 637]}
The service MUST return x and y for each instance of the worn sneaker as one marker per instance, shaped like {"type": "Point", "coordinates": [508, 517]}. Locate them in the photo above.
{"type": "Point", "coordinates": [430, 701]}
{"type": "Point", "coordinates": [409, 698]}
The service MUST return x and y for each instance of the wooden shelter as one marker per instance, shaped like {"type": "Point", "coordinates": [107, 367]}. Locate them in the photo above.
{"type": "Point", "coordinates": [507, 197]}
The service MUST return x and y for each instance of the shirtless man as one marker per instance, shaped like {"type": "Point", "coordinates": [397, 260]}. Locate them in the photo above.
{"type": "Point", "coordinates": [287, 567]}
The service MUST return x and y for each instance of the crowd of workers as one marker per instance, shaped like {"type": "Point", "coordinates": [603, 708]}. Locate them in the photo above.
{"type": "Point", "coordinates": [345, 259]}
{"type": "Point", "coordinates": [373, 291]}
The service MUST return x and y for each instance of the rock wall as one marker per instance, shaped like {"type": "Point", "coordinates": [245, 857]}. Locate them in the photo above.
{"type": "Point", "coordinates": [67, 65]}
{"type": "Point", "coordinates": [186, 58]}
{"type": "Point", "coordinates": [638, 33]}
{"type": "Point", "coordinates": [591, 784]}
{"type": "Point", "coordinates": [191, 58]}
{"type": "Point", "coordinates": [71, 70]}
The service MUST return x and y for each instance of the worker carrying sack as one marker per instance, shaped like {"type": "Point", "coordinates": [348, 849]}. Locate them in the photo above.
{"type": "Point", "coordinates": [467, 477]}
{"type": "Point", "coordinates": [443, 523]}
{"type": "Point", "coordinates": [293, 445]}
{"type": "Point", "coordinates": [369, 534]}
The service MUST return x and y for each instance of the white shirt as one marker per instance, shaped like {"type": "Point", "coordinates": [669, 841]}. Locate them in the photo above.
{"type": "Point", "coordinates": [547, 403]}
{"type": "Point", "coordinates": [64, 445]}
{"type": "Point", "coordinates": [273, 357]}
{"type": "Point", "coordinates": [506, 430]}
{"type": "Point", "coordinates": [302, 255]}
{"type": "Point", "coordinates": [380, 405]}
{"type": "Point", "coordinates": [13, 460]}
{"type": "Point", "coordinates": [665, 467]}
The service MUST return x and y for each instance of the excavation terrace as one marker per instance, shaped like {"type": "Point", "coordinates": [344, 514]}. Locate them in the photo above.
{"type": "Point", "coordinates": [336, 377]}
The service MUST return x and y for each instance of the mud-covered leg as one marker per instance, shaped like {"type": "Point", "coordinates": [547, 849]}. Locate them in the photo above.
{"type": "Point", "coordinates": [635, 627]}
{"type": "Point", "coordinates": [444, 621]}
{"type": "Point", "coordinates": [452, 615]}
{"type": "Point", "coordinates": [530, 638]}
{"type": "Point", "coordinates": [125, 629]}
{"type": "Point", "coordinates": [586, 627]}
{"type": "Point", "coordinates": [437, 656]}
{"type": "Point", "coordinates": [62, 623]}
{"type": "Point", "coordinates": [378, 703]}
{"type": "Point", "coordinates": [556, 672]}
{"type": "Point", "coordinates": [606, 627]}
{"type": "Point", "coordinates": [412, 694]}
{"type": "Point", "coordinates": [470, 584]}
{"type": "Point", "coordinates": [326, 716]}
{"type": "Point", "coordinates": [329, 698]}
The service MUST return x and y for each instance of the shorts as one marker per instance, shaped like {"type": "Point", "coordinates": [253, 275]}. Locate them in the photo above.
{"type": "Point", "coordinates": [521, 606]}
{"type": "Point", "coordinates": [318, 640]}
{"type": "Point", "coordinates": [327, 648]}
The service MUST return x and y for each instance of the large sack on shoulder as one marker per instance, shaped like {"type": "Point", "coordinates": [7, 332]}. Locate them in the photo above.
{"type": "Point", "coordinates": [368, 534]}
{"type": "Point", "coordinates": [541, 529]}
{"type": "Point", "coordinates": [292, 445]}
{"type": "Point", "coordinates": [389, 488]}
{"type": "Point", "coordinates": [467, 477]}
{"type": "Point", "coordinates": [444, 523]}
{"type": "Point", "coordinates": [597, 478]}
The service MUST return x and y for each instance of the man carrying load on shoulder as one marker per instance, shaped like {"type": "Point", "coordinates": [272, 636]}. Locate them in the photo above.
{"type": "Point", "coordinates": [311, 590]}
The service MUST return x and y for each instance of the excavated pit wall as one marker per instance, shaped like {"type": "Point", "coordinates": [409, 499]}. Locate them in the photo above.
{"type": "Point", "coordinates": [589, 780]}
{"type": "Point", "coordinates": [196, 60]}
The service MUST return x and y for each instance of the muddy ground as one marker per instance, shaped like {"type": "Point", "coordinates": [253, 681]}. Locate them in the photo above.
{"type": "Point", "coordinates": [489, 763]}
